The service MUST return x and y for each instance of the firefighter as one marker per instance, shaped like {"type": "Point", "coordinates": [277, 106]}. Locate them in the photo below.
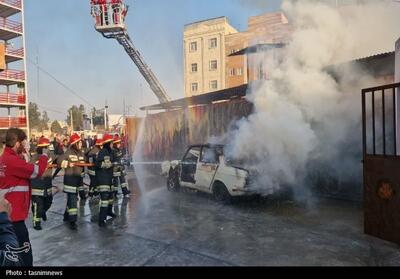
{"type": "Point", "coordinates": [104, 172]}
{"type": "Point", "coordinates": [42, 196]}
{"type": "Point", "coordinates": [91, 158]}
{"type": "Point", "coordinates": [104, 12]}
{"type": "Point", "coordinates": [116, 8]}
{"type": "Point", "coordinates": [119, 169]}
{"type": "Point", "coordinates": [73, 179]}
{"type": "Point", "coordinates": [15, 185]}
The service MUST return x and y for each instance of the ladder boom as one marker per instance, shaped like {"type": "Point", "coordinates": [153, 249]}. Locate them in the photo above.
{"type": "Point", "coordinates": [110, 22]}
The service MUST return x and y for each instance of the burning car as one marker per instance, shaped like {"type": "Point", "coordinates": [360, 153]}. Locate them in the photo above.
{"type": "Point", "coordinates": [205, 168]}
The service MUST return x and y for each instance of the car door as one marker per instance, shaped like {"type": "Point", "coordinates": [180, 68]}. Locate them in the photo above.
{"type": "Point", "coordinates": [206, 168]}
{"type": "Point", "coordinates": [189, 167]}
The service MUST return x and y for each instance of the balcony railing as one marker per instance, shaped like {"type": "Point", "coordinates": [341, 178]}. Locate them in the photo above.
{"type": "Point", "coordinates": [12, 74]}
{"type": "Point", "coordinates": [13, 3]}
{"type": "Point", "coordinates": [9, 24]}
{"type": "Point", "coordinates": [7, 122]}
{"type": "Point", "coordinates": [10, 98]}
{"type": "Point", "coordinates": [15, 52]}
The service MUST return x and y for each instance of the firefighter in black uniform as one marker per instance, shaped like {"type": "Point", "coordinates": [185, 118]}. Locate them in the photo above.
{"type": "Point", "coordinates": [72, 178]}
{"type": "Point", "coordinates": [119, 169]}
{"type": "Point", "coordinates": [104, 172]}
{"type": "Point", "coordinates": [42, 196]}
{"type": "Point", "coordinates": [91, 158]}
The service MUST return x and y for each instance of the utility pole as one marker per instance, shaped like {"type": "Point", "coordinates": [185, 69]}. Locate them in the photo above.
{"type": "Point", "coordinates": [72, 122]}
{"type": "Point", "coordinates": [91, 119]}
{"type": "Point", "coordinates": [105, 117]}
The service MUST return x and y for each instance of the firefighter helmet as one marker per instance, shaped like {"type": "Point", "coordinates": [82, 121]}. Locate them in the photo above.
{"type": "Point", "coordinates": [74, 139]}
{"type": "Point", "coordinates": [107, 138]}
{"type": "Point", "coordinates": [99, 142]}
{"type": "Point", "coordinates": [43, 142]}
{"type": "Point", "coordinates": [117, 139]}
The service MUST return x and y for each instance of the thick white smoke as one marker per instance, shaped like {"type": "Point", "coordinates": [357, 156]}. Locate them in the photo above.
{"type": "Point", "coordinates": [303, 116]}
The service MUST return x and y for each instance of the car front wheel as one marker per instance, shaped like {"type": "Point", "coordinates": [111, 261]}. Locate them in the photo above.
{"type": "Point", "coordinates": [221, 194]}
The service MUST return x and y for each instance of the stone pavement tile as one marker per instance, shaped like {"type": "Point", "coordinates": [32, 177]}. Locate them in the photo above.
{"type": "Point", "coordinates": [92, 246]}
{"type": "Point", "coordinates": [174, 256]}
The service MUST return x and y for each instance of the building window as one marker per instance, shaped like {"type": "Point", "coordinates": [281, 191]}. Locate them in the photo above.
{"type": "Point", "coordinates": [213, 43]}
{"type": "Point", "coordinates": [213, 65]}
{"type": "Point", "coordinates": [194, 68]}
{"type": "Point", "coordinates": [233, 51]}
{"type": "Point", "coordinates": [232, 72]}
{"type": "Point", "coordinates": [193, 46]}
{"type": "Point", "coordinates": [239, 71]}
{"type": "Point", "coordinates": [213, 85]}
{"type": "Point", "coordinates": [195, 87]}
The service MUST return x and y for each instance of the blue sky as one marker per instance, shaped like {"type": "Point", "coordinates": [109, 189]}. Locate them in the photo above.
{"type": "Point", "coordinates": [61, 34]}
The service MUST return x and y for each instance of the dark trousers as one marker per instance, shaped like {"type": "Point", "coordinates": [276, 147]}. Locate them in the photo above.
{"type": "Point", "coordinates": [23, 240]}
{"type": "Point", "coordinates": [40, 205]}
{"type": "Point", "coordinates": [71, 211]}
{"type": "Point", "coordinates": [93, 185]}
{"type": "Point", "coordinates": [106, 202]}
{"type": "Point", "coordinates": [120, 181]}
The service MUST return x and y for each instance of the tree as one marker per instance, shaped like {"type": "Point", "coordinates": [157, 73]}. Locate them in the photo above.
{"type": "Point", "coordinates": [37, 120]}
{"type": "Point", "coordinates": [44, 121]}
{"type": "Point", "coordinates": [98, 117]}
{"type": "Point", "coordinates": [77, 117]}
{"type": "Point", "coordinates": [56, 127]}
{"type": "Point", "coordinates": [34, 115]}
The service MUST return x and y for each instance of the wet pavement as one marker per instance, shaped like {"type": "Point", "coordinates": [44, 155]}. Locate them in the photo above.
{"type": "Point", "coordinates": [158, 228]}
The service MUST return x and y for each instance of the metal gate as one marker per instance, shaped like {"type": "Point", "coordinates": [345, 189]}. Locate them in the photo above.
{"type": "Point", "coordinates": [380, 106]}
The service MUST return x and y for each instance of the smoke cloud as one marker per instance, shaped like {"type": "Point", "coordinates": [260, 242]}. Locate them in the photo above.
{"type": "Point", "coordinates": [307, 119]}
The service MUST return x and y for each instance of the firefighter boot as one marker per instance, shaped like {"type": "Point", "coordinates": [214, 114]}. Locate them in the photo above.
{"type": "Point", "coordinates": [37, 226]}
{"type": "Point", "coordinates": [73, 226]}
{"type": "Point", "coordinates": [110, 212]}
{"type": "Point", "coordinates": [66, 216]}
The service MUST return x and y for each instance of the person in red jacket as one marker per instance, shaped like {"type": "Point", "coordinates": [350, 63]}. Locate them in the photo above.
{"type": "Point", "coordinates": [15, 175]}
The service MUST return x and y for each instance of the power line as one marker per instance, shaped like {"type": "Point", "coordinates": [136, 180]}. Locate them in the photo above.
{"type": "Point", "coordinates": [50, 109]}
{"type": "Point", "coordinates": [61, 83]}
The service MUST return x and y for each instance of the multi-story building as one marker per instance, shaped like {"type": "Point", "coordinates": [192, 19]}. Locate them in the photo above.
{"type": "Point", "coordinates": [264, 31]}
{"type": "Point", "coordinates": [204, 55]}
{"type": "Point", "coordinates": [13, 89]}
{"type": "Point", "coordinates": [212, 51]}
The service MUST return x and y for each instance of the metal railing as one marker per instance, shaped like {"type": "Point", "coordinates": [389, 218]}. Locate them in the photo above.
{"type": "Point", "coordinates": [17, 122]}
{"type": "Point", "coordinates": [12, 98]}
{"type": "Point", "coordinates": [13, 3]}
{"type": "Point", "coordinates": [15, 52]}
{"type": "Point", "coordinates": [379, 113]}
{"type": "Point", "coordinates": [12, 74]}
{"type": "Point", "coordinates": [10, 25]}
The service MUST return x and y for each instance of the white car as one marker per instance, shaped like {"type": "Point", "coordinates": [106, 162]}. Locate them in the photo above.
{"type": "Point", "coordinates": [204, 168]}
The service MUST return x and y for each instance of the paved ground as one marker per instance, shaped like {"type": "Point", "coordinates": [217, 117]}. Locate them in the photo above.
{"type": "Point", "coordinates": [158, 228]}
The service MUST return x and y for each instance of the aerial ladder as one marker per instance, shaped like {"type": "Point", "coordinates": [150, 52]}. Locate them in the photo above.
{"type": "Point", "coordinates": [109, 19]}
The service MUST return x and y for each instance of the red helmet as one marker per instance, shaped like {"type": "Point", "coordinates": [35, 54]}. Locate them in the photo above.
{"type": "Point", "coordinates": [43, 142]}
{"type": "Point", "coordinates": [74, 139]}
{"type": "Point", "coordinates": [99, 142]}
{"type": "Point", "coordinates": [107, 138]}
{"type": "Point", "coordinates": [117, 139]}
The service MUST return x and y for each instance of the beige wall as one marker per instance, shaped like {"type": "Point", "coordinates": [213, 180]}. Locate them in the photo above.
{"type": "Point", "coordinates": [202, 33]}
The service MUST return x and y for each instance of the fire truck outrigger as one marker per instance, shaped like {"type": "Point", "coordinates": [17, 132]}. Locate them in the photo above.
{"type": "Point", "coordinates": [109, 18]}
